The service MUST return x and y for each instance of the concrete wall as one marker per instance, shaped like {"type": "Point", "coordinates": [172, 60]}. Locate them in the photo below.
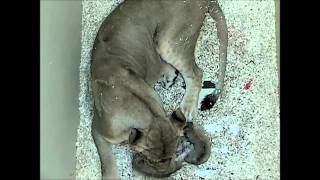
{"type": "Point", "coordinates": [278, 34]}
{"type": "Point", "coordinates": [60, 42]}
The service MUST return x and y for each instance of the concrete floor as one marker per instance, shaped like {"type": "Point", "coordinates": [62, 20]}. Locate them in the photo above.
{"type": "Point", "coordinates": [243, 125]}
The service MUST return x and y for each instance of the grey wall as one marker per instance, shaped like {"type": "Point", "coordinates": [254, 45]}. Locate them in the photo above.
{"type": "Point", "coordinates": [60, 35]}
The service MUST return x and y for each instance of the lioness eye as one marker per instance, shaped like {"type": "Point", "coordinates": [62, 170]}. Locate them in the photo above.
{"type": "Point", "coordinates": [178, 116]}
{"type": "Point", "coordinates": [135, 135]}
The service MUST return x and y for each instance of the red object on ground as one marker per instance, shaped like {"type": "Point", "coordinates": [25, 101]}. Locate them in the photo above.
{"type": "Point", "coordinates": [248, 85]}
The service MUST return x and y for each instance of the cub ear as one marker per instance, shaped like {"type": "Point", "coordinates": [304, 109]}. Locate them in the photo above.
{"type": "Point", "coordinates": [134, 136]}
{"type": "Point", "coordinates": [178, 118]}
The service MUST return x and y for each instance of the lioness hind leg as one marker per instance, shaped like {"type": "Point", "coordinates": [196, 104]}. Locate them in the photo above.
{"type": "Point", "coordinates": [193, 81]}
{"type": "Point", "coordinates": [109, 167]}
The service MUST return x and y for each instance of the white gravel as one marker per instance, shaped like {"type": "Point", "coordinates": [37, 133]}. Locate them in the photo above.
{"type": "Point", "coordinates": [243, 126]}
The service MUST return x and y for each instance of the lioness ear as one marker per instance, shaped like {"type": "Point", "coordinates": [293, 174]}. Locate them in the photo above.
{"type": "Point", "coordinates": [135, 134]}
{"type": "Point", "coordinates": [178, 118]}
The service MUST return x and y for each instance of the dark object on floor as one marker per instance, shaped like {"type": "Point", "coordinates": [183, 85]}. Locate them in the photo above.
{"type": "Point", "coordinates": [208, 84]}
{"type": "Point", "coordinates": [208, 102]}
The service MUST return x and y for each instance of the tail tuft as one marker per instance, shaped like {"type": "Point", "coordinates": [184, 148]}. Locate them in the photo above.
{"type": "Point", "coordinates": [208, 102]}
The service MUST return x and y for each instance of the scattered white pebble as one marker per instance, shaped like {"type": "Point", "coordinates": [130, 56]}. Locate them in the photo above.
{"type": "Point", "coordinates": [204, 173]}
{"type": "Point", "coordinates": [213, 128]}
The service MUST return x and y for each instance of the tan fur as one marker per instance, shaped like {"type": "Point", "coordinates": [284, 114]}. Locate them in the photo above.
{"type": "Point", "coordinates": [127, 61]}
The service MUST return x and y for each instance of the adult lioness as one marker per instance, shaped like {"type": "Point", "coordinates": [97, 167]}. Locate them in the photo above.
{"type": "Point", "coordinates": [127, 61]}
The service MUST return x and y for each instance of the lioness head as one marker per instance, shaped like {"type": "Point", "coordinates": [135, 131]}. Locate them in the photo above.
{"type": "Point", "coordinates": [157, 145]}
